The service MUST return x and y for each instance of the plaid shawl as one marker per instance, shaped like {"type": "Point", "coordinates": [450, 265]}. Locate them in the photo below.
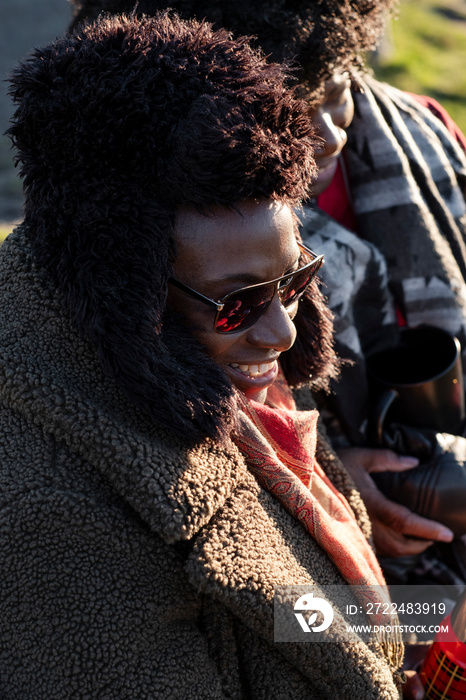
{"type": "Point", "coordinates": [407, 181]}
{"type": "Point", "coordinates": [407, 176]}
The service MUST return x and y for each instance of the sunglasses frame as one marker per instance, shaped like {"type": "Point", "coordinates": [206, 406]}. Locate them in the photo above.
{"type": "Point", "coordinates": [317, 261]}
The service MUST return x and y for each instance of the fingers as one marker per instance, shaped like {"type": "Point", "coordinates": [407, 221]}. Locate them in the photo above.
{"type": "Point", "coordinates": [396, 530]}
{"type": "Point", "coordinates": [416, 526]}
{"type": "Point", "coordinates": [388, 461]}
{"type": "Point", "coordinates": [413, 688]}
{"type": "Point", "coordinates": [403, 520]}
{"type": "Point", "coordinates": [389, 543]}
{"type": "Point", "coordinates": [375, 460]}
{"type": "Point", "coordinates": [393, 543]}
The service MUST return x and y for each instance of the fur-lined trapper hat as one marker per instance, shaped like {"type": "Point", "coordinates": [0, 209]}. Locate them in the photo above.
{"type": "Point", "coordinates": [116, 127]}
{"type": "Point", "coordinates": [322, 36]}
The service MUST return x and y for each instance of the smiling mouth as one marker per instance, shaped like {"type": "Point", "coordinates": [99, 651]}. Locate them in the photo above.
{"type": "Point", "coordinates": [253, 370]}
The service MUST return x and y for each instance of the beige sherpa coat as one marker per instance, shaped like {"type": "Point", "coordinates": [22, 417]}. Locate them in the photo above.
{"type": "Point", "coordinates": [132, 566]}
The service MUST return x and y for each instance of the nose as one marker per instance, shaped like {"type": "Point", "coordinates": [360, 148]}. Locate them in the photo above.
{"type": "Point", "coordinates": [274, 330]}
{"type": "Point", "coordinates": [333, 135]}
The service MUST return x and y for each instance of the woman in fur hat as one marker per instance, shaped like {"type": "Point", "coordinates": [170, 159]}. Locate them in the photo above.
{"type": "Point", "coordinates": [392, 169]}
{"type": "Point", "coordinates": [158, 478]}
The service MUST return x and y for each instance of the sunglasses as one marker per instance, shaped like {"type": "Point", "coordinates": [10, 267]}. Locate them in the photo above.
{"type": "Point", "coordinates": [240, 309]}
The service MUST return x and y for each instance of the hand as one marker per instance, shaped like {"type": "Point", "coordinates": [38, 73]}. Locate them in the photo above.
{"type": "Point", "coordinates": [413, 659]}
{"type": "Point", "coordinates": [413, 688]}
{"type": "Point", "coordinates": [397, 531]}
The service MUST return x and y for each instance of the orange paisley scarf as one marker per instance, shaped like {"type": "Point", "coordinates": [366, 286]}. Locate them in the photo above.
{"type": "Point", "coordinates": [279, 444]}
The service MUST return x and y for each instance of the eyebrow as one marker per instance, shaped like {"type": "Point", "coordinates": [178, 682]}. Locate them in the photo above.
{"type": "Point", "coordinates": [245, 278]}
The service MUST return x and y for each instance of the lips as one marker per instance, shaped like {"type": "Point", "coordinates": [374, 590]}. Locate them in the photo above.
{"type": "Point", "coordinates": [254, 378]}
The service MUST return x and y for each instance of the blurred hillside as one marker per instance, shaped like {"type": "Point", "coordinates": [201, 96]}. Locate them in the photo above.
{"type": "Point", "coordinates": [424, 52]}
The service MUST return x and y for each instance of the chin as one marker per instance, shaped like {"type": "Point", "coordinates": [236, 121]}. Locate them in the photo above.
{"type": "Point", "coordinates": [319, 187]}
{"type": "Point", "coordinates": [253, 388]}
{"type": "Point", "coordinates": [259, 395]}
{"type": "Point", "coordinates": [324, 179]}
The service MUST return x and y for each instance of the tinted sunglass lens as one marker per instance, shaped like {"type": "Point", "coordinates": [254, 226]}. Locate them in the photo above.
{"type": "Point", "coordinates": [298, 284]}
{"type": "Point", "coordinates": [244, 309]}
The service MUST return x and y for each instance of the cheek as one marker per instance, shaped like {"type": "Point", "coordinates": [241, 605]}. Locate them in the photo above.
{"type": "Point", "coordinates": [347, 113]}
{"type": "Point", "coordinates": [342, 114]}
{"type": "Point", "coordinates": [217, 345]}
{"type": "Point", "coordinates": [292, 310]}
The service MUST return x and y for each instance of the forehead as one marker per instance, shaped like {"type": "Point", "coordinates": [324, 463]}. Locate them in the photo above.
{"type": "Point", "coordinates": [254, 240]}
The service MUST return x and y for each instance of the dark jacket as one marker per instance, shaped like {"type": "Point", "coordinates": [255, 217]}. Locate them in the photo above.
{"type": "Point", "coordinates": [134, 565]}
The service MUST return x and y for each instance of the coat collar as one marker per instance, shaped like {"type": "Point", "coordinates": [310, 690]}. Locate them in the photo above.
{"type": "Point", "coordinates": [53, 377]}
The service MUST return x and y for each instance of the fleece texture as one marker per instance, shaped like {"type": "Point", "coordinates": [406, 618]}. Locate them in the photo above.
{"type": "Point", "coordinates": [136, 565]}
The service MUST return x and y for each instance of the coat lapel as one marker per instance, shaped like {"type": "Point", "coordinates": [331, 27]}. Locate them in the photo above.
{"type": "Point", "coordinates": [251, 546]}
{"type": "Point", "coordinates": [55, 379]}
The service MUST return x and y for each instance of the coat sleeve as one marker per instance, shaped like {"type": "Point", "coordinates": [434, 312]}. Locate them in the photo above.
{"type": "Point", "coordinates": [355, 280]}
{"type": "Point", "coordinates": [93, 605]}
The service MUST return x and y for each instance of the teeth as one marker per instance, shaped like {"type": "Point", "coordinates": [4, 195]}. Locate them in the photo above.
{"type": "Point", "coordinates": [253, 370]}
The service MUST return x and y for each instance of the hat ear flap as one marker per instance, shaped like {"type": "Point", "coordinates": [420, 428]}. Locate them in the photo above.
{"type": "Point", "coordinates": [113, 275]}
{"type": "Point", "coordinates": [312, 357]}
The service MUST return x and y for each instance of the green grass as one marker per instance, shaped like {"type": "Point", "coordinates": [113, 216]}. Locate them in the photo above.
{"type": "Point", "coordinates": [429, 53]}
{"type": "Point", "coordinates": [5, 229]}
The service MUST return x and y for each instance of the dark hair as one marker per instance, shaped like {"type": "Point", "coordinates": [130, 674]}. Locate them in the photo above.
{"type": "Point", "coordinates": [116, 127]}
{"type": "Point", "coordinates": [322, 36]}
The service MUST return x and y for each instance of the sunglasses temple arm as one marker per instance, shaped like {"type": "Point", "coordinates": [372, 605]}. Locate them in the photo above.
{"type": "Point", "coordinates": [196, 295]}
